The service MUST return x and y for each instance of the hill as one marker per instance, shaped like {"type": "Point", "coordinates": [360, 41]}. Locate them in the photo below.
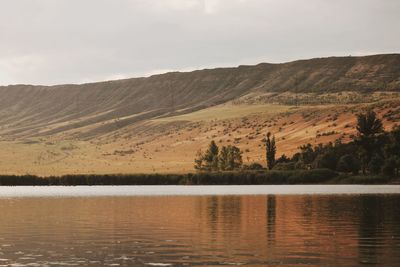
{"type": "Point", "coordinates": [157, 123]}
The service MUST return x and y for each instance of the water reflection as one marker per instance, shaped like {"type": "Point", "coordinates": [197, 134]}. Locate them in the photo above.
{"type": "Point", "coordinates": [271, 217]}
{"type": "Point", "coordinates": [201, 231]}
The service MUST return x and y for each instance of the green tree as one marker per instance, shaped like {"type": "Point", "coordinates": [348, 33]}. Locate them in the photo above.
{"type": "Point", "coordinates": [211, 157]}
{"type": "Point", "coordinates": [390, 166]}
{"type": "Point", "coordinates": [375, 164]}
{"type": "Point", "coordinates": [198, 161]}
{"type": "Point", "coordinates": [392, 149]}
{"type": "Point", "coordinates": [230, 158]}
{"type": "Point", "coordinates": [369, 126]}
{"type": "Point", "coordinates": [348, 163]}
{"type": "Point", "coordinates": [223, 158]}
{"type": "Point", "coordinates": [326, 160]}
{"type": "Point", "coordinates": [270, 150]}
{"type": "Point", "coordinates": [306, 156]}
{"type": "Point", "coordinates": [234, 158]}
{"type": "Point", "coordinates": [283, 159]}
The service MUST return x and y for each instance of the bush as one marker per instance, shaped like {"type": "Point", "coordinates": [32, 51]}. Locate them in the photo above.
{"type": "Point", "coordinates": [299, 165]}
{"type": "Point", "coordinates": [290, 166]}
{"type": "Point", "coordinates": [362, 179]}
{"type": "Point", "coordinates": [253, 166]}
{"type": "Point", "coordinates": [312, 176]}
{"type": "Point", "coordinates": [283, 159]}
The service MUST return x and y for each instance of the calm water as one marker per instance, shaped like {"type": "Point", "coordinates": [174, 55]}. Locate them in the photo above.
{"type": "Point", "coordinates": [113, 227]}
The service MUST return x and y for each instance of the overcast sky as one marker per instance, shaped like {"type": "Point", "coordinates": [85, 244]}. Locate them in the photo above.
{"type": "Point", "coordinates": [76, 41]}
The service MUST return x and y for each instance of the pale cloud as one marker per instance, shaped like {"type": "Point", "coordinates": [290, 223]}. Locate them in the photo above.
{"type": "Point", "coordinates": [177, 4]}
{"type": "Point", "coordinates": [65, 41]}
{"type": "Point", "coordinates": [206, 6]}
{"type": "Point", "coordinates": [211, 6]}
{"type": "Point", "coordinates": [10, 67]}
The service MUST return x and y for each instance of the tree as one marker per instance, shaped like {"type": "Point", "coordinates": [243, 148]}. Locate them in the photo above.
{"type": "Point", "coordinates": [307, 155]}
{"type": "Point", "coordinates": [375, 164]}
{"type": "Point", "coordinates": [392, 148]}
{"type": "Point", "coordinates": [392, 152]}
{"type": "Point", "coordinates": [223, 160]}
{"type": "Point", "coordinates": [282, 159]}
{"type": "Point", "coordinates": [270, 151]}
{"type": "Point", "coordinates": [230, 158]}
{"type": "Point", "coordinates": [390, 166]}
{"type": "Point", "coordinates": [198, 161]}
{"type": "Point", "coordinates": [368, 127]}
{"type": "Point", "coordinates": [348, 163]}
{"type": "Point", "coordinates": [368, 124]}
{"type": "Point", "coordinates": [211, 157]}
{"type": "Point", "coordinates": [234, 158]}
{"type": "Point", "coordinates": [326, 160]}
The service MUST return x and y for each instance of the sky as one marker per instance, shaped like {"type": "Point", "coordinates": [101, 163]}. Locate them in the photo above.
{"type": "Point", "coordinates": [77, 41]}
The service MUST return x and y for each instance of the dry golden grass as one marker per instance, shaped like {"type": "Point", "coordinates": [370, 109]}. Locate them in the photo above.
{"type": "Point", "coordinates": [166, 146]}
{"type": "Point", "coordinates": [229, 111]}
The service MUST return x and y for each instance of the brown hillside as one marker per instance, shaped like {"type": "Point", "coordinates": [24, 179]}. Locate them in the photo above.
{"type": "Point", "coordinates": [38, 110]}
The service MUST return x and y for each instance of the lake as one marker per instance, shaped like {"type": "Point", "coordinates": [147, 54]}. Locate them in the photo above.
{"type": "Point", "coordinates": [200, 226]}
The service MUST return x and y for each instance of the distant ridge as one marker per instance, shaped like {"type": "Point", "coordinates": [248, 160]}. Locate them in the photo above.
{"type": "Point", "coordinates": [26, 109]}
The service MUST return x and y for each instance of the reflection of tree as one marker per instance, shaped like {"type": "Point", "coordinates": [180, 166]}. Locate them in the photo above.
{"type": "Point", "coordinates": [225, 209]}
{"type": "Point", "coordinates": [231, 211]}
{"type": "Point", "coordinates": [212, 213]}
{"type": "Point", "coordinates": [371, 218]}
{"type": "Point", "coordinates": [271, 218]}
{"type": "Point", "coordinates": [307, 210]}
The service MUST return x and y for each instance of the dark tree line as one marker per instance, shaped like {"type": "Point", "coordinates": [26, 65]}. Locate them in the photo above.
{"type": "Point", "coordinates": [371, 151]}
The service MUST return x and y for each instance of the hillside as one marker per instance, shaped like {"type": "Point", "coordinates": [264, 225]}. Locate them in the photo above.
{"type": "Point", "coordinates": [40, 110]}
{"type": "Point", "coordinates": [158, 123]}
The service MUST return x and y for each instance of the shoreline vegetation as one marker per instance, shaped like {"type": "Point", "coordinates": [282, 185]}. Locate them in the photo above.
{"type": "Point", "coordinates": [374, 153]}
{"type": "Point", "coordinates": [247, 177]}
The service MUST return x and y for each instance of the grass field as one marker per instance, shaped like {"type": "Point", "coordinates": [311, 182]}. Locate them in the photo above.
{"type": "Point", "coordinates": [231, 111]}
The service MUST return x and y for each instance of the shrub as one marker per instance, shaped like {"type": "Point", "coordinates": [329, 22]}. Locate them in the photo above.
{"type": "Point", "coordinates": [253, 166]}
{"type": "Point", "coordinates": [282, 159]}
{"type": "Point", "coordinates": [364, 180]}
{"type": "Point", "coordinates": [312, 176]}
{"type": "Point", "coordinates": [289, 166]}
